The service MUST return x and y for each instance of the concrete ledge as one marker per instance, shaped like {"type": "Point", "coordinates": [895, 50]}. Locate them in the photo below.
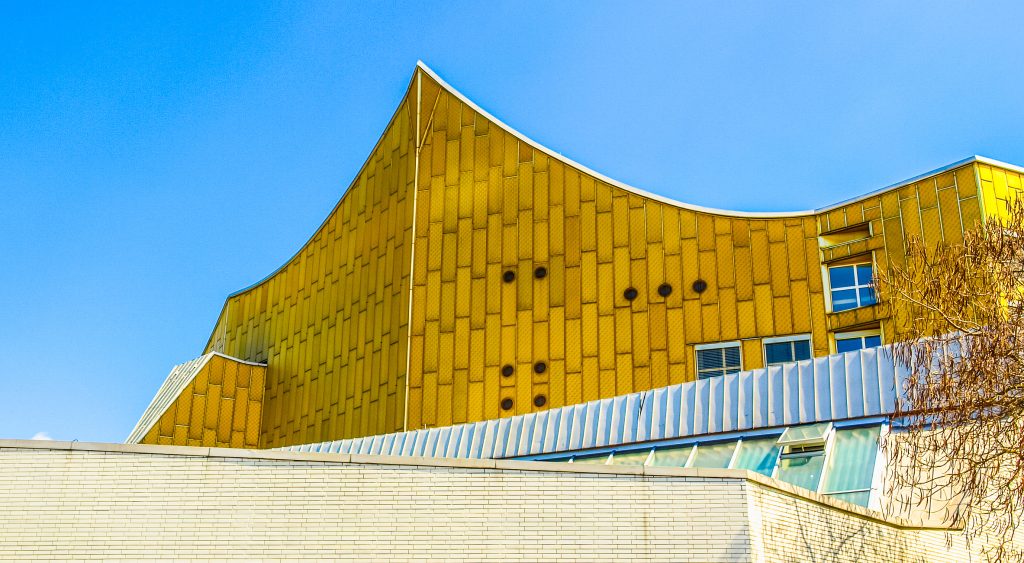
{"type": "Point", "coordinates": [499, 464]}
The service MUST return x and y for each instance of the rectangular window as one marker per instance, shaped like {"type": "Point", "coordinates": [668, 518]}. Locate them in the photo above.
{"type": "Point", "coordinates": [718, 359]}
{"type": "Point", "coordinates": [787, 349]}
{"type": "Point", "coordinates": [803, 454]}
{"type": "Point", "coordinates": [850, 286]}
{"type": "Point", "coordinates": [850, 341]}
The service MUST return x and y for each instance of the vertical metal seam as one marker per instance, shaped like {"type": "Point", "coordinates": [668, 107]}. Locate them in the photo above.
{"type": "Point", "coordinates": [979, 193]}
{"type": "Point", "coordinates": [412, 250]}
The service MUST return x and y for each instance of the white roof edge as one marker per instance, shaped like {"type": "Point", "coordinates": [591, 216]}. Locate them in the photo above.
{"type": "Point", "coordinates": [150, 416]}
{"type": "Point", "coordinates": [643, 193]}
{"type": "Point", "coordinates": [598, 175]}
{"type": "Point", "coordinates": [919, 177]}
{"type": "Point", "coordinates": [731, 213]}
{"type": "Point", "coordinates": [238, 360]}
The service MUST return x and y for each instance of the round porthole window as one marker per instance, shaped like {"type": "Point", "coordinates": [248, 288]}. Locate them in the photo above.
{"type": "Point", "coordinates": [507, 370]}
{"type": "Point", "coordinates": [540, 401]}
{"type": "Point", "coordinates": [506, 404]}
{"type": "Point", "coordinates": [540, 367]}
{"type": "Point", "coordinates": [630, 293]}
{"type": "Point", "coordinates": [664, 290]}
{"type": "Point", "coordinates": [540, 272]}
{"type": "Point", "coordinates": [700, 285]}
{"type": "Point", "coordinates": [508, 276]}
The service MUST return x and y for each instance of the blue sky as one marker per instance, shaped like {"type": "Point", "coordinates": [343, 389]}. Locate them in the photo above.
{"type": "Point", "coordinates": [155, 157]}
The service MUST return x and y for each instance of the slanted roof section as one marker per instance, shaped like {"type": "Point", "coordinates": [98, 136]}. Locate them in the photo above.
{"type": "Point", "coordinates": [851, 385]}
{"type": "Point", "coordinates": [177, 381]}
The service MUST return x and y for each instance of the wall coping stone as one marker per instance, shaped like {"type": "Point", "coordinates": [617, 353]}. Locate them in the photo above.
{"type": "Point", "coordinates": [500, 464]}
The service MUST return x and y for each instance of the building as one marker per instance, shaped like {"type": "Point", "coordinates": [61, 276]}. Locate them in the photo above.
{"type": "Point", "coordinates": [488, 351]}
{"type": "Point", "coordinates": [470, 274]}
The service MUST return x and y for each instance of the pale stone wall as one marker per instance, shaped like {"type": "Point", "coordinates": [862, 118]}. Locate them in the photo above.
{"type": "Point", "coordinates": [60, 501]}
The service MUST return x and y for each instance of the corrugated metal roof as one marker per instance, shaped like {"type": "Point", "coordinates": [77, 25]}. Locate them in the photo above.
{"type": "Point", "coordinates": [851, 385]}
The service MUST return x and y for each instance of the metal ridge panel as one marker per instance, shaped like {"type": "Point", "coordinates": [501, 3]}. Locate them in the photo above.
{"type": "Point", "coordinates": [858, 384]}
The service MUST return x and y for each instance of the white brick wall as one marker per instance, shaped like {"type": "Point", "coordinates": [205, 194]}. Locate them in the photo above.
{"type": "Point", "coordinates": [110, 501]}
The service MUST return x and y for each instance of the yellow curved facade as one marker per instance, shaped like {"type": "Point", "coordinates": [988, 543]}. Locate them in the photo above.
{"type": "Point", "coordinates": [397, 314]}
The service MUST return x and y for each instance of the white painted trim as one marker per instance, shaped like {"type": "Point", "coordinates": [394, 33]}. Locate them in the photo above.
{"type": "Point", "coordinates": [713, 345]}
{"type": "Point", "coordinates": [858, 333]}
{"type": "Point", "coordinates": [789, 338]}
{"type": "Point", "coordinates": [753, 214]}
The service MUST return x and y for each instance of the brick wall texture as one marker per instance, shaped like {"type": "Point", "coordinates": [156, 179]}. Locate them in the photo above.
{"type": "Point", "coordinates": [91, 501]}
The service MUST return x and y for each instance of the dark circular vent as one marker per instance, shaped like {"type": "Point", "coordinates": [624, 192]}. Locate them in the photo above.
{"type": "Point", "coordinates": [540, 367]}
{"type": "Point", "coordinates": [540, 401]}
{"type": "Point", "coordinates": [630, 293]}
{"type": "Point", "coordinates": [664, 290]}
{"type": "Point", "coordinates": [506, 404]}
{"type": "Point", "coordinates": [700, 285]}
{"type": "Point", "coordinates": [540, 272]}
{"type": "Point", "coordinates": [507, 370]}
{"type": "Point", "coordinates": [508, 276]}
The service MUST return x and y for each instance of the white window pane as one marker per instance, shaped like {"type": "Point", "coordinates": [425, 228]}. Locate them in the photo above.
{"type": "Point", "coordinates": [713, 455]}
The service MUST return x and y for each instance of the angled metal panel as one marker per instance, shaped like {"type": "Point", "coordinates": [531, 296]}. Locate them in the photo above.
{"type": "Point", "coordinates": [842, 386]}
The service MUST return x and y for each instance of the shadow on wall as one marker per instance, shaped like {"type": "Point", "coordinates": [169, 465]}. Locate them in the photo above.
{"type": "Point", "coordinates": [793, 529]}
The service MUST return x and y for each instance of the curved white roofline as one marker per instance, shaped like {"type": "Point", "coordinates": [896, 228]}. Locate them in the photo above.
{"type": "Point", "coordinates": [558, 156]}
{"type": "Point", "coordinates": [643, 193]}
{"type": "Point", "coordinates": [750, 214]}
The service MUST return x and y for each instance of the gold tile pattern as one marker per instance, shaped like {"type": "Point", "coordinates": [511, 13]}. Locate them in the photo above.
{"type": "Point", "coordinates": [366, 333]}
{"type": "Point", "coordinates": [221, 407]}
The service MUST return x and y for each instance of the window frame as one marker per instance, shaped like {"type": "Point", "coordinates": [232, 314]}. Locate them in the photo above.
{"type": "Point", "coordinates": [713, 346]}
{"type": "Point", "coordinates": [865, 260]}
{"type": "Point", "coordinates": [782, 339]}
{"type": "Point", "coordinates": [861, 334]}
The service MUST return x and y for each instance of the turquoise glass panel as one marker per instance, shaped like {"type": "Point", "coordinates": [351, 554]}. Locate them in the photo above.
{"type": "Point", "coordinates": [802, 470]}
{"type": "Point", "coordinates": [713, 455]}
{"type": "Point", "coordinates": [851, 466]}
{"type": "Point", "coordinates": [672, 457]}
{"type": "Point", "coordinates": [758, 455]}
{"type": "Point", "coordinates": [630, 458]}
